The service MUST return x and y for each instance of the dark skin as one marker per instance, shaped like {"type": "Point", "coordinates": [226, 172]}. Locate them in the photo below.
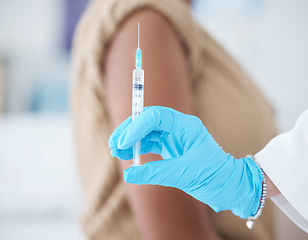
{"type": "Point", "coordinates": [161, 213]}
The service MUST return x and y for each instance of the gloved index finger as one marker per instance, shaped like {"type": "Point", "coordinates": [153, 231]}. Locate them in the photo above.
{"type": "Point", "coordinates": [156, 118]}
{"type": "Point", "coordinates": [114, 137]}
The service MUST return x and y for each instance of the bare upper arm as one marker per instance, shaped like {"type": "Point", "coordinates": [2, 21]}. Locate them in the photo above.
{"type": "Point", "coordinates": [166, 75]}
{"type": "Point", "coordinates": [167, 83]}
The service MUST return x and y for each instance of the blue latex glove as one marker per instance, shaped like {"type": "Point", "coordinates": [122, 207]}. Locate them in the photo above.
{"type": "Point", "coordinates": [193, 161]}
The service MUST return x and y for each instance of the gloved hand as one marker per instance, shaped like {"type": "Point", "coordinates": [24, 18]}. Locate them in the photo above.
{"type": "Point", "coordinates": [193, 161]}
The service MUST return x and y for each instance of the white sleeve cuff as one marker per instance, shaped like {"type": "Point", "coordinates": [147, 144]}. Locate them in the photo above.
{"type": "Point", "coordinates": [285, 162]}
{"type": "Point", "coordinates": [290, 212]}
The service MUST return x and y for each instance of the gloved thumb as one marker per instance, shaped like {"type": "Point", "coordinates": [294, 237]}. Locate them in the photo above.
{"type": "Point", "coordinates": [164, 172]}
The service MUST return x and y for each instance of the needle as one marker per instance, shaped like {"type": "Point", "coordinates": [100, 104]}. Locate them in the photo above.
{"type": "Point", "coordinates": [138, 33]}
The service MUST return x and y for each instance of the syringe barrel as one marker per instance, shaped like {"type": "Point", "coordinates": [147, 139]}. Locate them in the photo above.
{"type": "Point", "coordinates": [136, 154]}
{"type": "Point", "coordinates": [137, 107]}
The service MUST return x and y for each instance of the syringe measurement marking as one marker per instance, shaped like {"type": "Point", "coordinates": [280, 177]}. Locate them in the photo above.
{"type": "Point", "coordinates": [137, 101]}
{"type": "Point", "coordinates": [138, 86]}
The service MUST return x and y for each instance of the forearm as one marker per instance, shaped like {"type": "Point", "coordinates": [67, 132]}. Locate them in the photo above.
{"type": "Point", "coordinates": [272, 190]}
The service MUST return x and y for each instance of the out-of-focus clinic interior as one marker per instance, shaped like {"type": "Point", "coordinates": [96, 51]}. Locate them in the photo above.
{"type": "Point", "coordinates": [40, 196]}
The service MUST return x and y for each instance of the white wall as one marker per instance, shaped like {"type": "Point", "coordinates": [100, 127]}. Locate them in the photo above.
{"type": "Point", "coordinates": [40, 196]}
{"type": "Point", "coordinates": [39, 188]}
{"type": "Point", "coordinates": [30, 38]}
{"type": "Point", "coordinates": [269, 38]}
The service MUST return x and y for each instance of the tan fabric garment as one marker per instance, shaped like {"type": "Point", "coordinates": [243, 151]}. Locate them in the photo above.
{"type": "Point", "coordinates": [225, 99]}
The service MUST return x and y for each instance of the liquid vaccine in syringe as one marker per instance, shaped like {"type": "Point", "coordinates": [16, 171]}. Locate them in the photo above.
{"type": "Point", "coordinates": [137, 97]}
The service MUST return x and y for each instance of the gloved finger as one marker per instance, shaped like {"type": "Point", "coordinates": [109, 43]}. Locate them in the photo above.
{"type": "Point", "coordinates": [147, 146]}
{"type": "Point", "coordinates": [127, 154]}
{"type": "Point", "coordinates": [156, 118]}
{"type": "Point", "coordinates": [167, 173]}
{"type": "Point", "coordinates": [114, 137]}
{"type": "Point", "coordinates": [154, 136]}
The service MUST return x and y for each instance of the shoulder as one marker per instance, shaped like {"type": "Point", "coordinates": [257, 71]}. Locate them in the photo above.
{"type": "Point", "coordinates": [158, 39]}
{"type": "Point", "coordinates": [154, 28]}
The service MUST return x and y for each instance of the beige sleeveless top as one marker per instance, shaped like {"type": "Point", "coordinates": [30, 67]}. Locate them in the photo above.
{"type": "Point", "coordinates": [225, 99]}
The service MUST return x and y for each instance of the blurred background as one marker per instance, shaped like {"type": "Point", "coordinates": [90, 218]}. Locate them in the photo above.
{"type": "Point", "coordinates": [40, 196]}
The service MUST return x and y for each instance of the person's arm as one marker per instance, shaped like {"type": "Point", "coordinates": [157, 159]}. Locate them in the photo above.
{"type": "Point", "coordinates": [272, 190]}
{"type": "Point", "coordinates": [285, 161]}
{"type": "Point", "coordinates": [161, 213]}
{"type": "Point", "coordinates": [196, 164]}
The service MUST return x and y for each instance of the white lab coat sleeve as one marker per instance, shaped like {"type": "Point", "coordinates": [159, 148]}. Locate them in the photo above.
{"type": "Point", "coordinates": [285, 162]}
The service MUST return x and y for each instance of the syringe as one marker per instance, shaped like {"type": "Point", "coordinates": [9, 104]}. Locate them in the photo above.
{"type": "Point", "coordinates": [137, 105]}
